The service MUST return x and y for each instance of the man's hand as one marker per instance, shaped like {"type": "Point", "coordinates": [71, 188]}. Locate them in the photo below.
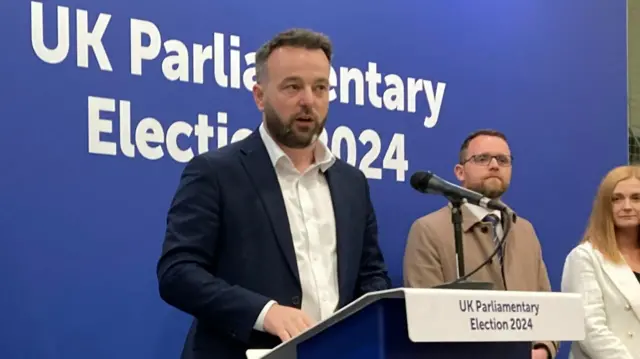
{"type": "Point", "coordinates": [286, 322]}
{"type": "Point", "coordinates": [539, 353]}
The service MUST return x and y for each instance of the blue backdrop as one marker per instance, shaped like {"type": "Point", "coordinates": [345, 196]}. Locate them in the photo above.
{"type": "Point", "coordinates": [99, 97]}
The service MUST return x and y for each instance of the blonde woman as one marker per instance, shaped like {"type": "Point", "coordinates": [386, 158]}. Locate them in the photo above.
{"type": "Point", "coordinates": [605, 269]}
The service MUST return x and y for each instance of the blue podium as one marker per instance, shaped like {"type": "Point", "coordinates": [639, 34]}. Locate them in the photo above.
{"type": "Point", "coordinates": [438, 323]}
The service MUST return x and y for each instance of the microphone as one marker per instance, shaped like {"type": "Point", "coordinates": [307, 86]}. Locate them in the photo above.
{"type": "Point", "coordinates": [427, 182]}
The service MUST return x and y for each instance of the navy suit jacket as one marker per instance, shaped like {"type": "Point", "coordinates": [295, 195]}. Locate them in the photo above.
{"type": "Point", "coordinates": [228, 248]}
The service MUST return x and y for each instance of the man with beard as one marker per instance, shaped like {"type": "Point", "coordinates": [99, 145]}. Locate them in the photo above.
{"type": "Point", "coordinates": [485, 165]}
{"type": "Point", "coordinates": [269, 235]}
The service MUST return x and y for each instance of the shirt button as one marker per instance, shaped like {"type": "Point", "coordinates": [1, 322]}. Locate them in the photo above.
{"type": "Point", "coordinates": [630, 334]}
{"type": "Point", "coordinates": [295, 300]}
{"type": "Point", "coordinates": [627, 307]}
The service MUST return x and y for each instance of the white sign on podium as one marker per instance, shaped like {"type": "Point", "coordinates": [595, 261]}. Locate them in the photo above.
{"type": "Point", "coordinates": [451, 315]}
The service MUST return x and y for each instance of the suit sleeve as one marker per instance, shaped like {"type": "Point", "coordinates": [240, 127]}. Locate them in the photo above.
{"type": "Point", "coordinates": [544, 285]}
{"type": "Point", "coordinates": [578, 276]}
{"type": "Point", "coordinates": [184, 269]}
{"type": "Point", "coordinates": [372, 275]}
{"type": "Point", "coordinates": [422, 267]}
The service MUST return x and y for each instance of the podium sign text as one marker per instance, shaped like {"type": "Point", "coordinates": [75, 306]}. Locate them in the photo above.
{"type": "Point", "coordinates": [443, 315]}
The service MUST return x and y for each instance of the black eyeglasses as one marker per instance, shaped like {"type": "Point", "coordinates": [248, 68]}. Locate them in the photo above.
{"type": "Point", "coordinates": [483, 159]}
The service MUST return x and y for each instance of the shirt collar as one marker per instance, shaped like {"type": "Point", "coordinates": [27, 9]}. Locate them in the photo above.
{"type": "Point", "coordinates": [481, 212]}
{"type": "Point", "coordinates": [323, 156]}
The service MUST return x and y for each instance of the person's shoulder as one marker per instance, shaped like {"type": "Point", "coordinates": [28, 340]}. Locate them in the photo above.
{"type": "Point", "coordinates": [583, 250]}
{"type": "Point", "coordinates": [439, 216]}
{"type": "Point", "coordinates": [348, 175]}
{"type": "Point", "coordinates": [432, 227]}
{"type": "Point", "coordinates": [525, 226]}
{"type": "Point", "coordinates": [523, 222]}
{"type": "Point", "coordinates": [224, 155]}
{"type": "Point", "coordinates": [348, 170]}
{"type": "Point", "coordinates": [583, 255]}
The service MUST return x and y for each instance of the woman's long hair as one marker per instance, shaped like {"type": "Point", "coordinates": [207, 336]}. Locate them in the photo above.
{"type": "Point", "coordinates": [601, 227]}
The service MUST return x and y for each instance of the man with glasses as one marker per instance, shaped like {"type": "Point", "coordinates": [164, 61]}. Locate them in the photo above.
{"type": "Point", "coordinates": [484, 166]}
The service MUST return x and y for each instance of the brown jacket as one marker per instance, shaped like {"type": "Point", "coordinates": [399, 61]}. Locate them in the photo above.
{"type": "Point", "coordinates": [430, 255]}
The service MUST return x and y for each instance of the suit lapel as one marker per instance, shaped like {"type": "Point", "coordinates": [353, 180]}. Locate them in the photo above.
{"type": "Point", "coordinates": [339, 194]}
{"type": "Point", "coordinates": [468, 218]}
{"type": "Point", "coordinates": [626, 282]}
{"type": "Point", "coordinates": [258, 166]}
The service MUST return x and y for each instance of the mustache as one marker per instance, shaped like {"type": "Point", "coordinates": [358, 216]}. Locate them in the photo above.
{"type": "Point", "coordinates": [305, 111]}
{"type": "Point", "coordinates": [310, 114]}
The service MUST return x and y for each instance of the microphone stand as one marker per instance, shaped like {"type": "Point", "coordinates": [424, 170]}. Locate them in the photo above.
{"type": "Point", "coordinates": [456, 219]}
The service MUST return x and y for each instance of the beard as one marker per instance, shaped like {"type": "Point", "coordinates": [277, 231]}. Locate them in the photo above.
{"type": "Point", "coordinates": [287, 133]}
{"type": "Point", "coordinates": [493, 191]}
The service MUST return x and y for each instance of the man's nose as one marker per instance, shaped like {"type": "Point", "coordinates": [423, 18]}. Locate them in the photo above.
{"type": "Point", "coordinates": [306, 96]}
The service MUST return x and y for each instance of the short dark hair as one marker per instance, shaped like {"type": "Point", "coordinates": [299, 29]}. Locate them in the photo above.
{"type": "Point", "coordinates": [482, 132]}
{"type": "Point", "coordinates": [301, 38]}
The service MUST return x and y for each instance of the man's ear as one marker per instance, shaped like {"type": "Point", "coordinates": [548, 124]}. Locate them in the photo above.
{"type": "Point", "coordinates": [459, 172]}
{"type": "Point", "coordinates": [258, 96]}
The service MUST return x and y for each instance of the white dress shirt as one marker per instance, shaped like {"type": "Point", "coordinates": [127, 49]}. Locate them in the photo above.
{"type": "Point", "coordinates": [611, 299]}
{"type": "Point", "coordinates": [310, 212]}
